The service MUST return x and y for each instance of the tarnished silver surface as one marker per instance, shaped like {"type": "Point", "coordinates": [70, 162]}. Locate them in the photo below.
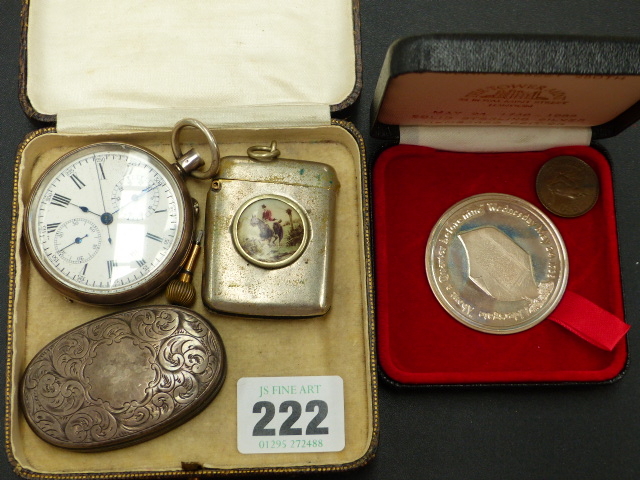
{"type": "Point", "coordinates": [268, 238]}
{"type": "Point", "coordinates": [567, 186]}
{"type": "Point", "coordinates": [496, 263]}
{"type": "Point", "coordinates": [123, 378]}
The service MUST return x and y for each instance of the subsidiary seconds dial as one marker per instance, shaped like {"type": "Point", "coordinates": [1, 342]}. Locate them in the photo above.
{"type": "Point", "coordinates": [76, 241]}
{"type": "Point", "coordinates": [109, 223]}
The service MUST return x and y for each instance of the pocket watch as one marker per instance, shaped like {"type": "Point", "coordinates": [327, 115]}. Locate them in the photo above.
{"type": "Point", "coordinates": [110, 223]}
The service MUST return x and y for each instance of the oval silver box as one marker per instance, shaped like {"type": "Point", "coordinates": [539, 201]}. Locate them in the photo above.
{"type": "Point", "coordinates": [123, 378]}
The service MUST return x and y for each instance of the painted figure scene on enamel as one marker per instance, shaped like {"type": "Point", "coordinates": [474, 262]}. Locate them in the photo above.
{"type": "Point", "coordinates": [270, 231]}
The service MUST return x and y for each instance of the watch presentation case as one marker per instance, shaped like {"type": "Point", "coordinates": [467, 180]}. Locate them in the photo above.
{"type": "Point", "coordinates": [476, 114]}
{"type": "Point", "coordinates": [116, 71]}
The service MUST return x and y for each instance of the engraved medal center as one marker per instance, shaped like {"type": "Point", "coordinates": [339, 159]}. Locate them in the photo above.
{"type": "Point", "coordinates": [498, 266]}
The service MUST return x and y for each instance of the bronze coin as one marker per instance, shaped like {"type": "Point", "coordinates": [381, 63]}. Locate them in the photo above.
{"type": "Point", "coordinates": [567, 186]}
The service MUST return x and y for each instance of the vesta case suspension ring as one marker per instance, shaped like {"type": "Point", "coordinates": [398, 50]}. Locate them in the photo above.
{"type": "Point", "coordinates": [263, 153]}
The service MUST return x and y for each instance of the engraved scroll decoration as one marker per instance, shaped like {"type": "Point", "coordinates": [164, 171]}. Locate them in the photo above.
{"type": "Point", "coordinates": [121, 376]}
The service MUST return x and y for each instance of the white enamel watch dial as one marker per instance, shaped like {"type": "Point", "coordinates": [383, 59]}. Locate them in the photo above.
{"type": "Point", "coordinates": [109, 223]}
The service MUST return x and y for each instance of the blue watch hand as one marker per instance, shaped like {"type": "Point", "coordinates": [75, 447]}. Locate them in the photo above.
{"type": "Point", "coordinates": [76, 241]}
{"type": "Point", "coordinates": [84, 209]}
{"type": "Point", "coordinates": [136, 197]}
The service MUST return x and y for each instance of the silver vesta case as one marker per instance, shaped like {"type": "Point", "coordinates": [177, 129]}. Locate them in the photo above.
{"type": "Point", "coordinates": [268, 237]}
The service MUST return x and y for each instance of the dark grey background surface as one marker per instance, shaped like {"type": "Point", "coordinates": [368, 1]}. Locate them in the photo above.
{"type": "Point", "coordinates": [586, 432]}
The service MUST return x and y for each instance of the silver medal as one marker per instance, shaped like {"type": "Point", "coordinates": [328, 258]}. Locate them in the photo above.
{"type": "Point", "coordinates": [496, 263]}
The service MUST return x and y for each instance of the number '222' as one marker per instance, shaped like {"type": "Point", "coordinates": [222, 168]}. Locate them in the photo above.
{"type": "Point", "coordinates": [313, 428]}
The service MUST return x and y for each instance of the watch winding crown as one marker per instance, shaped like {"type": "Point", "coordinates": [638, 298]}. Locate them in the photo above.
{"type": "Point", "coordinates": [180, 291]}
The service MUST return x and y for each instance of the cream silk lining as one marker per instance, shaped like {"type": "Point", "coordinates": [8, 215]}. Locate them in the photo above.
{"type": "Point", "coordinates": [113, 120]}
{"type": "Point", "coordinates": [493, 138]}
{"type": "Point", "coordinates": [204, 57]}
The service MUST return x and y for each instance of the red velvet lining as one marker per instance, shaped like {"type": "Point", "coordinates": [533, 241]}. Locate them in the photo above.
{"type": "Point", "coordinates": [418, 342]}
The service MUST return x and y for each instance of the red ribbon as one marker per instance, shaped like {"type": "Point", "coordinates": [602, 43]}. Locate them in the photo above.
{"type": "Point", "coordinates": [590, 322]}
